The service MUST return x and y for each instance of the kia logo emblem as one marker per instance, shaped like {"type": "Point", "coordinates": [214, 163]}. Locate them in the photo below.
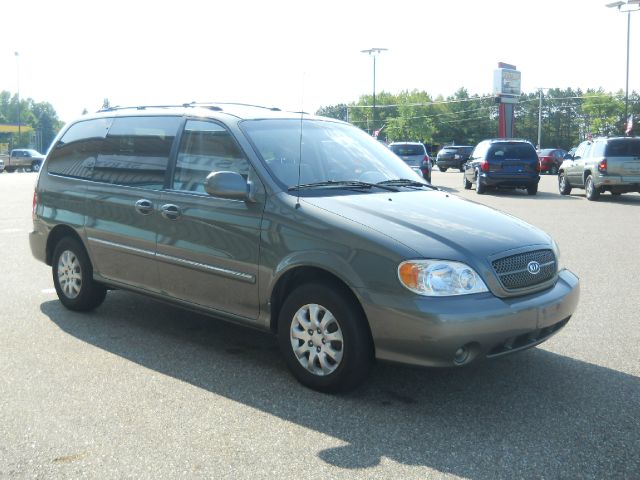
{"type": "Point", "coordinates": [533, 268]}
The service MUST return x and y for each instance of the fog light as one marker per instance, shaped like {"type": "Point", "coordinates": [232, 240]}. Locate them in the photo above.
{"type": "Point", "coordinates": [461, 355]}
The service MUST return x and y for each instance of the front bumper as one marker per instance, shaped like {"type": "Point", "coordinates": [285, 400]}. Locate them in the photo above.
{"type": "Point", "coordinates": [428, 331]}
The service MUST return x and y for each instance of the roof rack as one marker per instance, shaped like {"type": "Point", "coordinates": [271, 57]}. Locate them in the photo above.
{"type": "Point", "coordinates": [209, 105]}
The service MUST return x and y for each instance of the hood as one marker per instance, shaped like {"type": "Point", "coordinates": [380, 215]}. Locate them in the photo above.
{"type": "Point", "coordinates": [436, 224]}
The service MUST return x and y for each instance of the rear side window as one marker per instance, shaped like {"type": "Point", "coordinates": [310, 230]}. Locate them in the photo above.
{"type": "Point", "coordinates": [406, 150]}
{"type": "Point", "coordinates": [136, 151]}
{"type": "Point", "coordinates": [206, 147]}
{"type": "Point", "coordinates": [512, 151]}
{"type": "Point", "coordinates": [623, 148]}
{"type": "Point", "coordinates": [75, 153]}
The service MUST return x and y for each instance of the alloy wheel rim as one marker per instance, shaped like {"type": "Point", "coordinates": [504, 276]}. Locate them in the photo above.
{"type": "Point", "coordinates": [316, 339]}
{"type": "Point", "coordinates": [69, 274]}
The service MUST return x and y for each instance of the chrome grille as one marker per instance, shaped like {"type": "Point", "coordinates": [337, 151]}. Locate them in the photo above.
{"type": "Point", "coordinates": [513, 270]}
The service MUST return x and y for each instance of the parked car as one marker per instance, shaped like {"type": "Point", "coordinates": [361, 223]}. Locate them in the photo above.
{"type": "Point", "coordinates": [1, 165]}
{"type": "Point", "coordinates": [415, 155]}
{"type": "Point", "coordinates": [602, 165]}
{"type": "Point", "coordinates": [551, 159]}
{"type": "Point", "coordinates": [502, 163]}
{"type": "Point", "coordinates": [25, 158]}
{"type": "Point", "coordinates": [454, 156]}
{"type": "Point", "coordinates": [307, 228]}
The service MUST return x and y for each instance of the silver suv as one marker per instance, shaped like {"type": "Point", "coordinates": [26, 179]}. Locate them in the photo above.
{"type": "Point", "coordinates": [602, 165]}
{"type": "Point", "coordinates": [304, 227]}
{"type": "Point", "coordinates": [415, 155]}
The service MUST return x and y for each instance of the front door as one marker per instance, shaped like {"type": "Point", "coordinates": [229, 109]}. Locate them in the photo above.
{"type": "Point", "coordinates": [208, 247]}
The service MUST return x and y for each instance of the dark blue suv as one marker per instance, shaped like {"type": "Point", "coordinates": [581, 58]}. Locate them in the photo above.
{"type": "Point", "coordinates": [503, 163]}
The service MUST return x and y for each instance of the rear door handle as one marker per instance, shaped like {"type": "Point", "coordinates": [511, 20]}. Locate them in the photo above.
{"type": "Point", "coordinates": [170, 211]}
{"type": "Point", "coordinates": [144, 206]}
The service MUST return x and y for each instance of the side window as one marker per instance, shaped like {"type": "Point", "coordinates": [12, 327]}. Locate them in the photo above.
{"type": "Point", "coordinates": [136, 151]}
{"type": "Point", "coordinates": [597, 150]}
{"type": "Point", "coordinates": [206, 147]}
{"type": "Point", "coordinates": [75, 153]}
{"type": "Point", "coordinates": [580, 151]}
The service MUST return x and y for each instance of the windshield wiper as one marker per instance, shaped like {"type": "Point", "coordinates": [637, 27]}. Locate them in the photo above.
{"type": "Point", "coordinates": [405, 182]}
{"type": "Point", "coordinates": [343, 184]}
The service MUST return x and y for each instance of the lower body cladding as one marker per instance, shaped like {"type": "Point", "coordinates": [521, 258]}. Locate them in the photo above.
{"type": "Point", "coordinates": [453, 331]}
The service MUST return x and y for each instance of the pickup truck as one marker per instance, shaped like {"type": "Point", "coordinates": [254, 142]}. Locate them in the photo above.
{"type": "Point", "coordinates": [26, 158]}
{"type": "Point", "coordinates": [602, 165]}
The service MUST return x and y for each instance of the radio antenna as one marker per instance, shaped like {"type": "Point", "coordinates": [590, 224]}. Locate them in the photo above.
{"type": "Point", "coordinates": [300, 142]}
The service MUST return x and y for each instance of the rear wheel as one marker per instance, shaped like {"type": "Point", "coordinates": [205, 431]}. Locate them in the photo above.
{"type": "Point", "coordinates": [442, 169]}
{"type": "Point", "coordinates": [324, 338]}
{"type": "Point", "coordinates": [532, 189]}
{"type": "Point", "coordinates": [73, 277]}
{"type": "Point", "coordinates": [35, 166]}
{"type": "Point", "coordinates": [563, 185]}
{"type": "Point", "coordinates": [590, 189]}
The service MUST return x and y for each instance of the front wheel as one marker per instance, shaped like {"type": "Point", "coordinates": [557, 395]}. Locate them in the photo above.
{"type": "Point", "coordinates": [466, 183]}
{"type": "Point", "coordinates": [591, 191]}
{"type": "Point", "coordinates": [563, 184]}
{"type": "Point", "coordinates": [73, 277]}
{"type": "Point", "coordinates": [324, 338]}
{"type": "Point", "coordinates": [480, 187]}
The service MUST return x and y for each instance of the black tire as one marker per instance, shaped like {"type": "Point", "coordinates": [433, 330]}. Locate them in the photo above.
{"type": "Point", "coordinates": [590, 189]}
{"type": "Point", "coordinates": [35, 166]}
{"type": "Point", "coordinates": [466, 183]}
{"type": "Point", "coordinates": [442, 169]}
{"type": "Point", "coordinates": [9, 169]}
{"type": "Point", "coordinates": [564, 187]}
{"type": "Point", "coordinates": [71, 266]}
{"type": "Point", "coordinates": [532, 189]}
{"type": "Point", "coordinates": [480, 187]}
{"type": "Point", "coordinates": [353, 351]}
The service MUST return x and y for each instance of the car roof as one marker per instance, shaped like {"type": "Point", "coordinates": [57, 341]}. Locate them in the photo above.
{"type": "Point", "coordinates": [406, 143]}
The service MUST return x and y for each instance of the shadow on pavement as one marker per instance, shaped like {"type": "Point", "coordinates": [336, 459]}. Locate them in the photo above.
{"type": "Point", "coordinates": [535, 414]}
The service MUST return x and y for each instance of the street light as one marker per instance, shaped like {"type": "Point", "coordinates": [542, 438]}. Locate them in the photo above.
{"type": "Point", "coordinates": [17, 55]}
{"type": "Point", "coordinates": [619, 5]}
{"type": "Point", "coordinates": [373, 52]}
{"type": "Point", "coordinates": [540, 89]}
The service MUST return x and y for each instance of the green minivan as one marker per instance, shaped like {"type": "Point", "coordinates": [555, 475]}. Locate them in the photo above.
{"type": "Point", "coordinates": [300, 225]}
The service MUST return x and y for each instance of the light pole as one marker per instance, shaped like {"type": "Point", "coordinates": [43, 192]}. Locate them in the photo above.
{"type": "Point", "coordinates": [628, 4]}
{"type": "Point", "coordinates": [373, 52]}
{"type": "Point", "coordinates": [540, 89]}
{"type": "Point", "coordinates": [17, 55]}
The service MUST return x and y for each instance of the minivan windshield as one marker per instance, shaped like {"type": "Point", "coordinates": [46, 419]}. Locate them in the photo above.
{"type": "Point", "coordinates": [332, 153]}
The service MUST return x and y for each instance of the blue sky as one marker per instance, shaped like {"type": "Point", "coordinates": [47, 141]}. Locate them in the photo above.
{"type": "Point", "coordinates": [290, 54]}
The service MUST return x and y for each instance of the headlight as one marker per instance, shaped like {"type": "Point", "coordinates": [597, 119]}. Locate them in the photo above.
{"type": "Point", "coordinates": [439, 278]}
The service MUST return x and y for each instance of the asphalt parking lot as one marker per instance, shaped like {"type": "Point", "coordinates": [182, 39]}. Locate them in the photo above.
{"type": "Point", "coordinates": [139, 389]}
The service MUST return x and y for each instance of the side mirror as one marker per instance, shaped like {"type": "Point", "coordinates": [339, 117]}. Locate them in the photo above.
{"type": "Point", "coordinates": [230, 185]}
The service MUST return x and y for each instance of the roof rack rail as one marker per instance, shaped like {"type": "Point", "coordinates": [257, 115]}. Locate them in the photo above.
{"type": "Point", "coordinates": [141, 107]}
{"type": "Point", "coordinates": [204, 104]}
{"type": "Point", "coordinates": [210, 105]}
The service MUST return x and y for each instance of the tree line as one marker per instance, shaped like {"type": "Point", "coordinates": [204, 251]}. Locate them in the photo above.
{"type": "Point", "coordinates": [41, 117]}
{"type": "Point", "coordinates": [568, 116]}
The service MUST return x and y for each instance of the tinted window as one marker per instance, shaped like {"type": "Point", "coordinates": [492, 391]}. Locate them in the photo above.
{"type": "Point", "coordinates": [206, 147]}
{"type": "Point", "coordinates": [512, 151]}
{"type": "Point", "coordinates": [136, 151]}
{"type": "Point", "coordinates": [623, 148]}
{"type": "Point", "coordinates": [75, 153]}
{"type": "Point", "coordinates": [406, 150]}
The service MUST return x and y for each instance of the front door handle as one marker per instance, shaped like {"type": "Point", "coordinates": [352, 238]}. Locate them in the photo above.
{"type": "Point", "coordinates": [144, 206]}
{"type": "Point", "coordinates": [170, 211]}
